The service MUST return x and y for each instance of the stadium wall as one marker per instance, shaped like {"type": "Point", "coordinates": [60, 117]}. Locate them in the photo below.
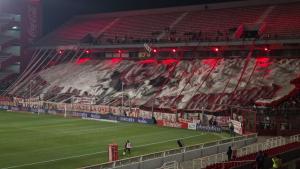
{"type": "Point", "coordinates": [31, 29]}
{"type": "Point", "coordinates": [102, 112]}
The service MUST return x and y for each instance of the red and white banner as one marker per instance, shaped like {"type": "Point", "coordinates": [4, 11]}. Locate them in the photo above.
{"type": "Point", "coordinates": [145, 114]}
{"type": "Point", "coordinates": [166, 123]}
{"type": "Point", "coordinates": [222, 120]}
{"type": "Point", "coordinates": [237, 126]}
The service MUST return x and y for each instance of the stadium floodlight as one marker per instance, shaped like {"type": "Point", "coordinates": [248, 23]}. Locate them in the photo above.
{"type": "Point", "coordinates": [88, 51]}
{"type": "Point", "coordinates": [15, 28]}
{"type": "Point", "coordinates": [266, 49]}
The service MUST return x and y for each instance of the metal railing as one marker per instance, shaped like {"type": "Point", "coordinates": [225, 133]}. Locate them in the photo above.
{"type": "Point", "coordinates": [170, 165]}
{"type": "Point", "coordinates": [295, 138]}
{"type": "Point", "coordinates": [171, 152]}
{"type": "Point", "coordinates": [203, 162]}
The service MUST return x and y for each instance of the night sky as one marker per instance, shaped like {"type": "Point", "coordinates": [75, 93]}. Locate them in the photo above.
{"type": "Point", "coordinates": [57, 12]}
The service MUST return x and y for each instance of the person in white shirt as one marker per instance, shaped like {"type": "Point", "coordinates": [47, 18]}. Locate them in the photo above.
{"type": "Point", "coordinates": [128, 147]}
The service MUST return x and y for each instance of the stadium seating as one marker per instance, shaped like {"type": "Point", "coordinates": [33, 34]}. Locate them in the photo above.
{"type": "Point", "coordinates": [210, 22]}
{"type": "Point", "coordinates": [283, 21]}
{"type": "Point", "coordinates": [141, 27]}
{"type": "Point", "coordinates": [76, 29]}
{"type": "Point", "coordinates": [186, 83]}
{"type": "Point", "coordinates": [180, 26]}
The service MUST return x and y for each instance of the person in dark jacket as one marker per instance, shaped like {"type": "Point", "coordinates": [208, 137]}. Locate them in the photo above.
{"type": "Point", "coordinates": [179, 143]}
{"type": "Point", "coordinates": [231, 129]}
{"type": "Point", "coordinates": [229, 153]}
{"type": "Point", "coordinates": [268, 161]}
{"type": "Point", "coordinates": [260, 160]}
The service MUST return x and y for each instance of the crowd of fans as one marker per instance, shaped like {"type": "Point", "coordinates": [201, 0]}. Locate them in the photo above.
{"type": "Point", "coordinates": [281, 117]}
{"type": "Point", "coordinates": [291, 103]}
{"type": "Point", "coordinates": [172, 36]}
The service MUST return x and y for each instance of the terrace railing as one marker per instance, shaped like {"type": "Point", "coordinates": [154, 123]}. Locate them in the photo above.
{"type": "Point", "coordinates": [158, 159]}
{"type": "Point", "coordinates": [203, 162]}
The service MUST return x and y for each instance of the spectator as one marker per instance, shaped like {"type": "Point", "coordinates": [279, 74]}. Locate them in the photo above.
{"type": "Point", "coordinates": [215, 122]}
{"type": "Point", "coordinates": [229, 153]}
{"type": "Point", "coordinates": [180, 144]}
{"type": "Point", "coordinates": [231, 129]}
{"type": "Point", "coordinates": [210, 121]}
{"type": "Point", "coordinates": [260, 159]}
{"type": "Point", "coordinates": [276, 162]}
{"type": "Point", "coordinates": [268, 161]}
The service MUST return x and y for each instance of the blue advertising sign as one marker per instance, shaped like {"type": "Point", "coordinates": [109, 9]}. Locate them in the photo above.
{"type": "Point", "coordinates": [135, 120]}
{"type": "Point", "coordinates": [15, 108]}
{"type": "Point", "coordinates": [208, 128]}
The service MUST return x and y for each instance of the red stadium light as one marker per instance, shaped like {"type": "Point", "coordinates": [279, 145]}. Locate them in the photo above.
{"type": "Point", "coordinates": [119, 51]}
{"type": "Point", "coordinates": [154, 50]}
{"type": "Point", "coordinates": [148, 61]}
{"type": "Point", "coordinates": [82, 60]}
{"type": "Point", "coordinates": [116, 60]}
{"type": "Point", "coordinates": [174, 50]}
{"type": "Point", "coordinates": [263, 62]}
{"type": "Point", "coordinates": [169, 61]}
{"type": "Point", "coordinates": [88, 51]}
{"type": "Point", "coordinates": [216, 49]}
{"type": "Point", "coordinates": [210, 62]}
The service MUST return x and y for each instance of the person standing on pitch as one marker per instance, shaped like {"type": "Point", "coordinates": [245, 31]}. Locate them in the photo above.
{"type": "Point", "coordinates": [127, 147]}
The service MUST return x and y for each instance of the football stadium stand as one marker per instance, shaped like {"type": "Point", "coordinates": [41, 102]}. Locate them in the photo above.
{"type": "Point", "coordinates": [205, 67]}
{"type": "Point", "coordinates": [179, 61]}
{"type": "Point", "coordinates": [177, 77]}
{"type": "Point", "coordinates": [278, 21]}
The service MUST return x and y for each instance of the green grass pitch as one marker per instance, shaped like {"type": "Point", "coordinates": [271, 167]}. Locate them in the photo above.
{"type": "Point", "coordinates": [30, 141]}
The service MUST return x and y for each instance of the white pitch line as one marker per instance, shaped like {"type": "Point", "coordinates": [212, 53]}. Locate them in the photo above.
{"type": "Point", "coordinates": [100, 152]}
